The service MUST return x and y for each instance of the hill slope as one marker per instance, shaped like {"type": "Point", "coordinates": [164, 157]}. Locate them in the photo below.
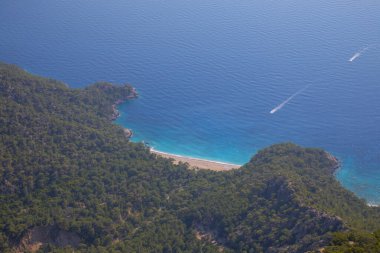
{"type": "Point", "coordinates": [70, 179]}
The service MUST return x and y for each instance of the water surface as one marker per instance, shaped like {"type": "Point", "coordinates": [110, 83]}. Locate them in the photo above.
{"type": "Point", "coordinates": [209, 72]}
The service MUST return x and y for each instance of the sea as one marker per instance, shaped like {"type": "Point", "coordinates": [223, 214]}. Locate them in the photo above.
{"type": "Point", "coordinates": [220, 79]}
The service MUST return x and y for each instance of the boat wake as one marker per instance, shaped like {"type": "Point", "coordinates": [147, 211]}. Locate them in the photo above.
{"type": "Point", "coordinates": [289, 99]}
{"type": "Point", "coordinates": [356, 55]}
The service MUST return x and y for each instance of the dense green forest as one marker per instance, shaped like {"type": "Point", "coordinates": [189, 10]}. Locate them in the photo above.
{"type": "Point", "coordinates": [70, 179]}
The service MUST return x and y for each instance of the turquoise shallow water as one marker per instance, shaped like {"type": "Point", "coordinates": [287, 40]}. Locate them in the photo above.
{"type": "Point", "coordinates": [209, 72]}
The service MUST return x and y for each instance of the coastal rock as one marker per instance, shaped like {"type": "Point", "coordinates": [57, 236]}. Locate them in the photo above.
{"type": "Point", "coordinates": [128, 133]}
{"type": "Point", "coordinates": [335, 162]}
{"type": "Point", "coordinates": [115, 112]}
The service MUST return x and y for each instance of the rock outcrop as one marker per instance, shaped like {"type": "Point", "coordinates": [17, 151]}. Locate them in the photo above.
{"type": "Point", "coordinates": [37, 237]}
{"type": "Point", "coordinates": [115, 112]}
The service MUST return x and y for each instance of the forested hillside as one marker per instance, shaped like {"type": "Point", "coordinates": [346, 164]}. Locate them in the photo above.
{"type": "Point", "coordinates": [70, 179]}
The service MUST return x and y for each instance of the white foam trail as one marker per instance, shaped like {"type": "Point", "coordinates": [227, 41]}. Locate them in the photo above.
{"type": "Point", "coordinates": [288, 99]}
{"type": "Point", "coordinates": [372, 205]}
{"type": "Point", "coordinates": [356, 55]}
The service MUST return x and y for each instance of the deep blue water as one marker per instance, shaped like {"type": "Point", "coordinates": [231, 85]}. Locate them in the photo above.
{"type": "Point", "coordinates": [210, 71]}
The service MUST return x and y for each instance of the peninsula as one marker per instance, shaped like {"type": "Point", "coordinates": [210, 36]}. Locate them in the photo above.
{"type": "Point", "coordinates": [70, 181]}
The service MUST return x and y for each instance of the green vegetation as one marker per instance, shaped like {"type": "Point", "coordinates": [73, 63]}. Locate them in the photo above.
{"type": "Point", "coordinates": [355, 242]}
{"type": "Point", "coordinates": [65, 167]}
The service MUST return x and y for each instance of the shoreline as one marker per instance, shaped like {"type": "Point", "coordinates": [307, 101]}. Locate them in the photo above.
{"type": "Point", "coordinates": [116, 114]}
{"type": "Point", "coordinates": [197, 162]}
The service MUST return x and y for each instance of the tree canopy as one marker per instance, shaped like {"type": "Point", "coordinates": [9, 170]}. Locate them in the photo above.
{"type": "Point", "coordinates": [67, 169]}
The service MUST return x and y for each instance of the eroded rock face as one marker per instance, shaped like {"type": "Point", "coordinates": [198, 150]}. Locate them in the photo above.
{"type": "Point", "coordinates": [37, 237]}
{"type": "Point", "coordinates": [115, 112]}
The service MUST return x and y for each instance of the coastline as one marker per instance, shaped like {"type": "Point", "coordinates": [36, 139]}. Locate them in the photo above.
{"type": "Point", "coordinates": [115, 112]}
{"type": "Point", "coordinates": [198, 162]}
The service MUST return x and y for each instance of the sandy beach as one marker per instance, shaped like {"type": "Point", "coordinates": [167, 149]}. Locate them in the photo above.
{"type": "Point", "coordinates": [198, 163]}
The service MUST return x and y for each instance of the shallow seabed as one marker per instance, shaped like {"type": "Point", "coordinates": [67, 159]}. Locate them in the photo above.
{"type": "Point", "coordinates": [210, 71]}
